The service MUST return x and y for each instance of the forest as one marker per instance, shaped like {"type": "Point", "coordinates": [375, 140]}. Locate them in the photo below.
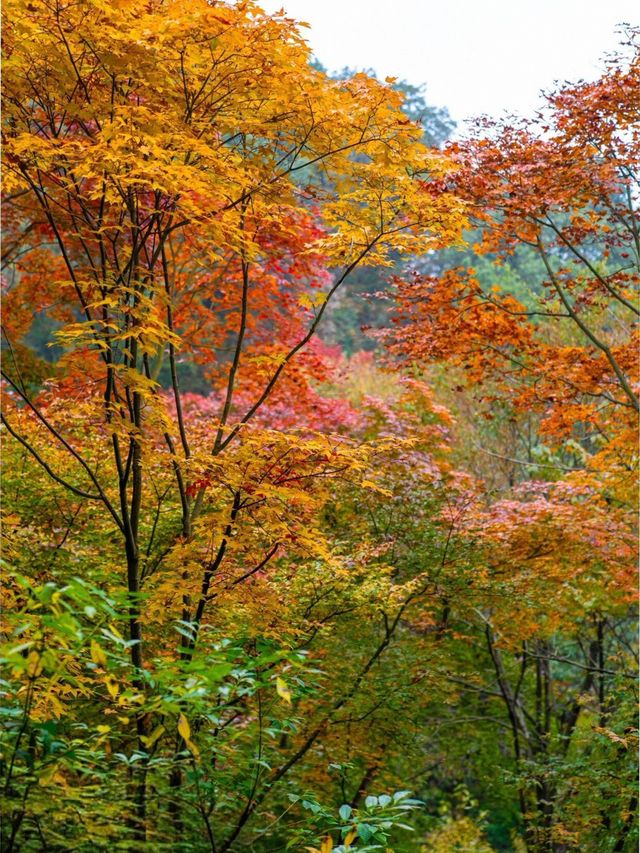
{"type": "Point", "coordinates": [320, 429]}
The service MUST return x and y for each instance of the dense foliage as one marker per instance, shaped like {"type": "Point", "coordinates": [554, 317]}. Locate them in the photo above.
{"type": "Point", "coordinates": [262, 593]}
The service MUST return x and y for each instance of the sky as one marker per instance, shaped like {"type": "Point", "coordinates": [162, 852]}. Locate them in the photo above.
{"type": "Point", "coordinates": [475, 56]}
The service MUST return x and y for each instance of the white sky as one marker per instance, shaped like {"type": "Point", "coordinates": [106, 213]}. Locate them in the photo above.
{"type": "Point", "coordinates": [476, 56]}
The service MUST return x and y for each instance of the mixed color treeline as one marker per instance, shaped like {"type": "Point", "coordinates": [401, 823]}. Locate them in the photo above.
{"type": "Point", "coordinates": [262, 595]}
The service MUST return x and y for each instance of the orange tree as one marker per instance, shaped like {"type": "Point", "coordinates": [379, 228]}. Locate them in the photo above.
{"type": "Point", "coordinates": [548, 622]}
{"type": "Point", "coordinates": [562, 185]}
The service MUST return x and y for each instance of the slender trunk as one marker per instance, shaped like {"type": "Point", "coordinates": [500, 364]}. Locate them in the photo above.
{"type": "Point", "coordinates": [175, 813]}
{"type": "Point", "coordinates": [363, 787]}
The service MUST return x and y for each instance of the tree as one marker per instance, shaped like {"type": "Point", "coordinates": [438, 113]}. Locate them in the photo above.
{"type": "Point", "coordinates": [260, 591]}
{"type": "Point", "coordinates": [561, 184]}
{"type": "Point", "coordinates": [178, 181]}
{"type": "Point", "coordinates": [559, 188]}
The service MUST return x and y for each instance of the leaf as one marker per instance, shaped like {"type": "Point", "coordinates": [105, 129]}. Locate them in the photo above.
{"type": "Point", "coordinates": [366, 831]}
{"type": "Point", "coordinates": [149, 740]}
{"type": "Point", "coordinates": [51, 775]}
{"type": "Point", "coordinates": [369, 484]}
{"type": "Point", "coordinates": [97, 654]}
{"type": "Point", "coordinates": [283, 690]}
{"type": "Point", "coordinates": [350, 836]}
{"type": "Point", "coordinates": [345, 812]}
{"type": "Point", "coordinates": [112, 686]}
{"type": "Point", "coordinates": [184, 729]}
{"type": "Point", "coordinates": [115, 631]}
{"type": "Point", "coordinates": [34, 664]}
{"type": "Point", "coordinates": [400, 795]}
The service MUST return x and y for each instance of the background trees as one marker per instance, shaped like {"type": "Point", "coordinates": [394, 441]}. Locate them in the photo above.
{"type": "Point", "coordinates": [556, 366]}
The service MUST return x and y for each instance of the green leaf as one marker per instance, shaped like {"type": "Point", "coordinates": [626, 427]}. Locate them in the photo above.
{"type": "Point", "coordinates": [400, 795]}
{"type": "Point", "coordinates": [365, 831]}
{"type": "Point", "coordinates": [345, 812]}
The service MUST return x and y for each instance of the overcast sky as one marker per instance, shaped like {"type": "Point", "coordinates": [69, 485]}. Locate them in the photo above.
{"type": "Point", "coordinates": [476, 56]}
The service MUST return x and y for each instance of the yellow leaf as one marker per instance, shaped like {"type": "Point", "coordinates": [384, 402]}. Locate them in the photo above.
{"type": "Point", "coordinates": [149, 740]}
{"type": "Point", "coordinates": [46, 777]}
{"type": "Point", "coordinates": [350, 836]}
{"type": "Point", "coordinates": [327, 845]}
{"type": "Point", "coordinates": [184, 729]}
{"type": "Point", "coordinates": [312, 300]}
{"type": "Point", "coordinates": [283, 690]}
{"type": "Point", "coordinates": [34, 666]}
{"type": "Point", "coordinates": [112, 686]}
{"type": "Point", "coordinates": [52, 774]}
{"type": "Point", "coordinates": [115, 631]}
{"type": "Point", "coordinates": [97, 655]}
{"type": "Point", "coordinates": [369, 484]}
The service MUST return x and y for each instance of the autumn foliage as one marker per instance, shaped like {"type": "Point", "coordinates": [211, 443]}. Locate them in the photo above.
{"type": "Point", "coordinates": [261, 595]}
